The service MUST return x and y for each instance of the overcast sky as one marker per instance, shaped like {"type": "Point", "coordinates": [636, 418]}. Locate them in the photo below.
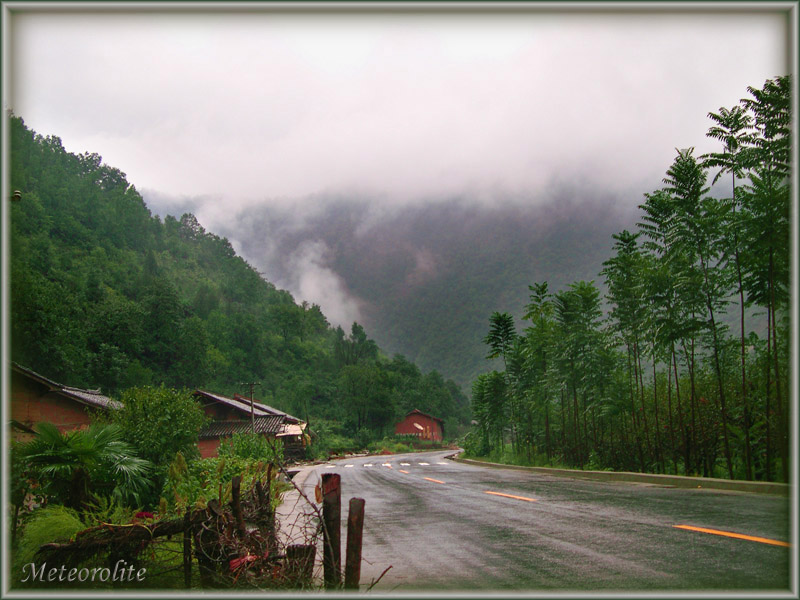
{"type": "Point", "coordinates": [233, 109]}
{"type": "Point", "coordinates": [269, 105]}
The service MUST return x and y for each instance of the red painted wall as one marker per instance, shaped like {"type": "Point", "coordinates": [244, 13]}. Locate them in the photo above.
{"type": "Point", "coordinates": [431, 428]}
{"type": "Point", "coordinates": [208, 447]}
{"type": "Point", "coordinates": [30, 405]}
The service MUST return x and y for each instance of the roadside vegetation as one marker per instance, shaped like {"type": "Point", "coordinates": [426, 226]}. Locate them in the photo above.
{"type": "Point", "coordinates": [141, 469]}
{"type": "Point", "coordinates": [687, 370]}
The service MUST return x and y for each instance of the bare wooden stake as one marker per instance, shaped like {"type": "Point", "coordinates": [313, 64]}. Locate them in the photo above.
{"type": "Point", "coordinates": [355, 528]}
{"type": "Point", "coordinates": [331, 531]}
{"type": "Point", "coordinates": [236, 504]}
{"type": "Point", "coordinates": [187, 549]}
{"type": "Point", "coordinates": [266, 516]}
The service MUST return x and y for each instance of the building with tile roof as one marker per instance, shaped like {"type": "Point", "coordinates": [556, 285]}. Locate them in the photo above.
{"type": "Point", "coordinates": [36, 398]}
{"type": "Point", "coordinates": [237, 415]}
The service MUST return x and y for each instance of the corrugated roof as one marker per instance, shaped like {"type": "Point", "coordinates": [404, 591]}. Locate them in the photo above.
{"type": "Point", "coordinates": [265, 425]}
{"type": "Point", "coordinates": [94, 398]}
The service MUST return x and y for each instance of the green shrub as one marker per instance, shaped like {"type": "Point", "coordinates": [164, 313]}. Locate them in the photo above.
{"type": "Point", "coordinates": [197, 482]}
{"type": "Point", "coordinates": [107, 510]}
{"type": "Point", "coordinates": [54, 523]}
{"type": "Point", "coordinates": [160, 422]}
{"type": "Point", "coordinates": [327, 439]}
{"type": "Point", "coordinates": [390, 445]}
{"type": "Point", "coordinates": [252, 445]}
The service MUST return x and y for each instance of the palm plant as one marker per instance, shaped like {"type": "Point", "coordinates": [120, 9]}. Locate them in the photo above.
{"type": "Point", "coordinates": [75, 467]}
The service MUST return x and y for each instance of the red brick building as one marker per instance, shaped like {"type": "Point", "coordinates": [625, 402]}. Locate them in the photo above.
{"type": "Point", "coordinates": [36, 399]}
{"type": "Point", "coordinates": [421, 425]}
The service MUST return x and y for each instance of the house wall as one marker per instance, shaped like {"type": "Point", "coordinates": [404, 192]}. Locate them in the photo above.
{"type": "Point", "coordinates": [431, 428]}
{"type": "Point", "coordinates": [31, 404]}
{"type": "Point", "coordinates": [208, 448]}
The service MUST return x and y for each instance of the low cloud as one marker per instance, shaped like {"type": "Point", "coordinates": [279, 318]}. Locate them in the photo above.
{"type": "Point", "coordinates": [312, 280]}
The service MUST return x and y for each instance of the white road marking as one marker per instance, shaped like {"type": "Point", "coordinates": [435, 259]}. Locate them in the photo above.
{"type": "Point", "coordinates": [405, 464]}
{"type": "Point", "coordinates": [441, 463]}
{"type": "Point", "coordinates": [423, 464]}
{"type": "Point", "coordinates": [386, 465]}
{"type": "Point", "coordinates": [368, 465]}
{"type": "Point", "coordinates": [349, 466]}
{"type": "Point", "coordinates": [330, 466]}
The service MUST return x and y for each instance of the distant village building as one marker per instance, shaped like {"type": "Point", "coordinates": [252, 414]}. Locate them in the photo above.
{"type": "Point", "coordinates": [36, 399]}
{"type": "Point", "coordinates": [421, 425]}
{"type": "Point", "coordinates": [234, 415]}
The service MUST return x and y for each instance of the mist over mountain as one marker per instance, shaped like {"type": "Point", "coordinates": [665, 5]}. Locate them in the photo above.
{"type": "Point", "coordinates": [423, 279]}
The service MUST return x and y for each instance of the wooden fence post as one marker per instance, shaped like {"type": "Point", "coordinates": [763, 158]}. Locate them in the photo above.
{"type": "Point", "coordinates": [331, 531]}
{"type": "Point", "coordinates": [187, 549]}
{"type": "Point", "coordinates": [266, 516]}
{"type": "Point", "coordinates": [206, 539]}
{"type": "Point", "coordinates": [236, 504]}
{"type": "Point", "coordinates": [355, 528]}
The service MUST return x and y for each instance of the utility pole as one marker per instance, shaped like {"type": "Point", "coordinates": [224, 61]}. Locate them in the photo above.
{"type": "Point", "coordinates": [251, 385]}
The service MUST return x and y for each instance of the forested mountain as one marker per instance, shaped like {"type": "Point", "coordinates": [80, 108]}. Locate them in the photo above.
{"type": "Point", "coordinates": [424, 277]}
{"type": "Point", "coordinates": [105, 294]}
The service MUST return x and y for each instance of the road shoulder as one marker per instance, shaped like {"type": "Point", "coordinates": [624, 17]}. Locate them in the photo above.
{"type": "Point", "coordinates": [703, 483]}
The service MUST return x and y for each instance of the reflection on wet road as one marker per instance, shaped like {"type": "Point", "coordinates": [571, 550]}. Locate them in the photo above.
{"type": "Point", "coordinates": [446, 526]}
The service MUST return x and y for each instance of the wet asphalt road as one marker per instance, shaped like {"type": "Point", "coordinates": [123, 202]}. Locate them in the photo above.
{"type": "Point", "coordinates": [433, 521]}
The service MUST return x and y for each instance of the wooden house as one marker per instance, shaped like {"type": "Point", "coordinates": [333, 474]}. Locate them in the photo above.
{"type": "Point", "coordinates": [36, 399]}
{"type": "Point", "coordinates": [422, 426]}
{"type": "Point", "coordinates": [237, 415]}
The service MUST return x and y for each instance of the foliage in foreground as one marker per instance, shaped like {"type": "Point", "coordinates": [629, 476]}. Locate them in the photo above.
{"type": "Point", "coordinates": [74, 468]}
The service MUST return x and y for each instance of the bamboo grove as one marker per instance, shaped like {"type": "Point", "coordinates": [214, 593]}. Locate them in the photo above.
{"type": "Point", "coordinates": [683, 367]}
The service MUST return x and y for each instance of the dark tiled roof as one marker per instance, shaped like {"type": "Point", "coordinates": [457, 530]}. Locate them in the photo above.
{"type": "Point", "coordinates": [265, 408]}
{"type": "Point", "coordinates": [266, 425]}
{"type": "Point", "coordinates": [419, 412]}
{"type": "Point", "coordinates": [93, 398]}
{"type": "Point", "coordinates": [242, 404]}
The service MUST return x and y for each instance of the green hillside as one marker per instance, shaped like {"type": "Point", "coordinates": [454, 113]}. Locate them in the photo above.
{"type": "Point", "coordinates": [105, 294]}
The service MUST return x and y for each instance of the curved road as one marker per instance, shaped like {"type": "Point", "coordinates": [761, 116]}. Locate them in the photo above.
{"type": "Point", "coordinates": [447, 526]}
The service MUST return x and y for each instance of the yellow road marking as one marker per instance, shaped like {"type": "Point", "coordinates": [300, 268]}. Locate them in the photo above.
{"type": "Point", "coordinates": [740, 536]}
{"type": "Point", "coordinates": [433, 480]}
{"type": "Point", "coordinates": [403, 471]}
{"type": "Point", "coordinates": [510, 496]}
